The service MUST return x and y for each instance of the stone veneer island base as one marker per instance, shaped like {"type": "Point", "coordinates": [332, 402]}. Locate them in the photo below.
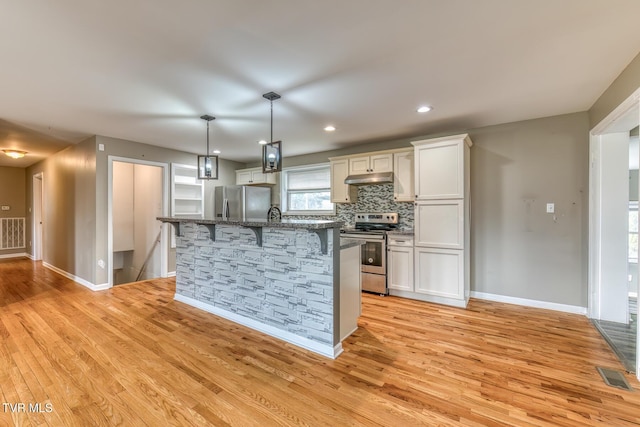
{"type": "Point", "coordinates": [282, 279]}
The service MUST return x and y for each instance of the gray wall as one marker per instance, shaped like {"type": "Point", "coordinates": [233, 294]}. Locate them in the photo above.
{"type": "Point", "coordinates": [139, 151]}
{"type": "Point", "coordinates": [12, 194]}
{"type": "Point", "coordinates": [75, 200]}
{"type": "Point", "coordinates": [69, 208]}
{"type": "Point", "coordinates": [622, 87]}
{"type": "Point", "coordinates": [517, 249]}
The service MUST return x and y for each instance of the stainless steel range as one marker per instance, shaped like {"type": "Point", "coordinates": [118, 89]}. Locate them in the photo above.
{"type": "Point", "coordinates": [372, 228]}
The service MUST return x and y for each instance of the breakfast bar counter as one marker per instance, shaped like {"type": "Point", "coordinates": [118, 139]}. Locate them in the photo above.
{"type": "Point", "coordinates": [281, 278]}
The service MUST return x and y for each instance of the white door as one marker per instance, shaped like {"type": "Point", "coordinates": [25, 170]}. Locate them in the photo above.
{"type": "Point", "coordinates": [38, 229]}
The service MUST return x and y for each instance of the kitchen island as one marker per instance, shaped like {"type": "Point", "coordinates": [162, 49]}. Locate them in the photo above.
{"type": "Point", "coordinates": [280, 278]}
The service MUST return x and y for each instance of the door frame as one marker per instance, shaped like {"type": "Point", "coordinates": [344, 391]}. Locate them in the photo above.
{"type": "Point", "coordinates": [614, 122]}
{"type": "Point", "coordinates": [37, 233]}
{"type": "Point", "coordinates": [164, 247]}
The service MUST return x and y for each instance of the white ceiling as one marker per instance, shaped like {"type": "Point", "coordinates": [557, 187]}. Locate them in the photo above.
{"type": "Point", "coordinates": [146, 70]}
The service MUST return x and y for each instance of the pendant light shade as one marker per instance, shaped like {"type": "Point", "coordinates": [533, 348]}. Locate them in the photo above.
{"type": "Point", "coordinates": [272, 151]}
{"type": "Point", "coordinates": [207, 164]}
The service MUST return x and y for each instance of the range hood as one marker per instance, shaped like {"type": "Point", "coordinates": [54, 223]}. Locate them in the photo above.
{"type": "Point", "coordinates": [370, 178]}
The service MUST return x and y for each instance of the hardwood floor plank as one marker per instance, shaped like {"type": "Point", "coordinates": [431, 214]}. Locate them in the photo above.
{"type": "Point", "coordinates": [132, 355]}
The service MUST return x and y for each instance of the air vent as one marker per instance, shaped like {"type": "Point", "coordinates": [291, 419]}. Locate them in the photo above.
{"type": "Point", "coordinates": [614, 378]}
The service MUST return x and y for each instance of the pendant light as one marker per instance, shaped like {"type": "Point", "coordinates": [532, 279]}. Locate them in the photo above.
{"type": "Point", "coordinates": [272, 151]}
{"type": "Point", "coordinates": [207, 165]}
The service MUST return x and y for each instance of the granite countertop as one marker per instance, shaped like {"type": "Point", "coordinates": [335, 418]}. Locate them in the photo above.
{"type": "Point", "coordinates": [307, 224]}
{"type": "Point", "coordinates": [398, 233]}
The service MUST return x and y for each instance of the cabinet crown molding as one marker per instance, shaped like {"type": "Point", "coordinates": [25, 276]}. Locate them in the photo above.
{"type": "Point", "coordinates": [371, 153]}
{"type": "Point", "coordinates": [463, 136]}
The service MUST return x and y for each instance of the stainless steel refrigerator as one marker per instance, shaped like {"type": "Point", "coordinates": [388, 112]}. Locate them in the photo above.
{"type": "Point", "coordinates": [242, 202]}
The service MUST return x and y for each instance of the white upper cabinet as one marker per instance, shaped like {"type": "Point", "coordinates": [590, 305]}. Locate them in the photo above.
{"type": "Point", "coordinates": [440, 167]}
{"type": "Point", "coordinates": [399, 161]}
{"type": "Point", "coordinates": [254, 176]}
{"type": "Point", "coordinates": [370, 164]}
{"type": "Point", "coordinates": [403, 166]}
{"type": "Point", "coordinates": [341, 192]}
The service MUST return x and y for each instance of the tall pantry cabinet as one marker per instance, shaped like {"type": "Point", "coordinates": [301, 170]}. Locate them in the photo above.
{"type": "Point", "coordinates": [442, 206]}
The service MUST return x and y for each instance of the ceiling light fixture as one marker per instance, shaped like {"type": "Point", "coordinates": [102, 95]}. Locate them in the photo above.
{"type": "Point", "coordinates": [330, 128]}
{"type": "Point", "coordinates": [424, 109]}
{"type": "Point", "coordinates": [207, 165]}
{"type": "Point", "coordinates": [15, 154]}
{"type": "Point", "coordinates": [272, 151]}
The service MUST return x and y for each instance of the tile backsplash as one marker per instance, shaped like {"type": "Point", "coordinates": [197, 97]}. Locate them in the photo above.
{"type": "Point", "coordinates": [371, 198]}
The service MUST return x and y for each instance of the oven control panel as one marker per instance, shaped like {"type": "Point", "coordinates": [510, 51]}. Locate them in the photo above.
{"type": "Point", "coordinates": [377, 218]}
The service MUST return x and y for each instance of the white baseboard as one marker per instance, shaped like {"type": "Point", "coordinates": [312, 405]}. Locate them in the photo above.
{"type": "Point", "coordinates": [530, 303]}
{"type": "Point", "coordinates": [322, 349]}
{"type": "Point", "coordinates": [453, 302]}
{"type": "Point", "coordinates": [16, 255]}
{"type": "Point", "coordinates": [77, 279]}
{"type": "Point", "coordinates": [171, 274]}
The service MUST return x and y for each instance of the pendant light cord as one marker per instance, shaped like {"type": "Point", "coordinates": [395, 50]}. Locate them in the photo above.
{"type": "Point", "coordinates": [271, 120]}
{"type": "Point", "coordinates": [207, 138]}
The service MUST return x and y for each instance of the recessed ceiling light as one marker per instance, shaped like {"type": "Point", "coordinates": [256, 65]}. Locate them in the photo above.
{"type": "Point", "coordinates": [15, 154]}
{"type": "Point", "coordinates": [330, 128]}
{"type": "Point", "coordinates": [424, 109]}
{"type": "Point", "coordinates": [216, 151]}
{"type": "Point", "coordinates": [262, 142]}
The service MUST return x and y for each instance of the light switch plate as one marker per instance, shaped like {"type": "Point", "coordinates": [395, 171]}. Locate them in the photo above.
{"type": "Point", "coordinates": [6, 208]}
{"type": "Point", "coordinates": [551, 207]}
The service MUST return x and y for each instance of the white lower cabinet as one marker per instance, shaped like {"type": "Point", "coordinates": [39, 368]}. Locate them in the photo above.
{"type": "Point", "coordinates": [440, 273]}
{"type": "Point", "coordinates": [400, 264]}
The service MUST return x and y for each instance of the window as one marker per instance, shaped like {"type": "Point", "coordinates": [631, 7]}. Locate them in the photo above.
{"type": "Point", "coordinates": [306, 190]}
{"type": "Point", "coordinates": [633, 231]}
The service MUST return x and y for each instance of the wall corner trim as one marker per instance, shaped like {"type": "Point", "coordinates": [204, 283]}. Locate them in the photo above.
{"type": "Point", "coordinates": [76, 279]}
{"type": "Point", "coordinates": [574, 309]}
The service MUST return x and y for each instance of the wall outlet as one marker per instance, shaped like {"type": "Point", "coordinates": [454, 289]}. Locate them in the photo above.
{"type": "Point", "coordinates": [100, 147]}
{"type": "Point", "coordinates": [551, 207]}
{"type": "Point", "coordinates": [6, 208]}
{"type": "Point", "coordinates": [100, 263]}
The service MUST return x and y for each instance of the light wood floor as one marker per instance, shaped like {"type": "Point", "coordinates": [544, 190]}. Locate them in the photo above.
{"type": "Point", "coordinates": [132, 356]}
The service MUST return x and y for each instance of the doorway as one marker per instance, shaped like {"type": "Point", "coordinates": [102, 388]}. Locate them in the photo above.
{"type": "Point", "coordinates": [613, 230]}
{"type": "Point", "coordinates": [137, 196]}
{"type": "Point", "coordinates": [38, 229]}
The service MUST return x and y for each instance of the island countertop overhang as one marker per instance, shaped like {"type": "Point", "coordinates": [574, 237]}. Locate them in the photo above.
{"type": "Point", "coordinates": [307, 224]}
{"type": "Point", "coordinates": [320, 227]}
